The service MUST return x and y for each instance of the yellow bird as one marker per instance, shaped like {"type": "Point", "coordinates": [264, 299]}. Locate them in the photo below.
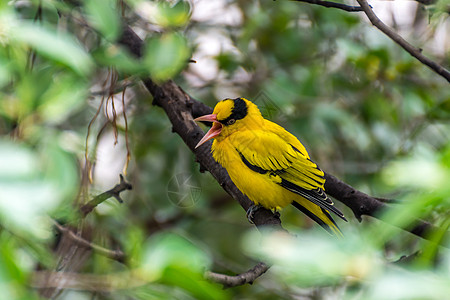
{"type": "Point", "coordinates": [267, 163]}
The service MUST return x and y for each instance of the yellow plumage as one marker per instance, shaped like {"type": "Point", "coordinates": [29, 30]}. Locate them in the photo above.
{"type": "Point", "coordinates": [267, 163]}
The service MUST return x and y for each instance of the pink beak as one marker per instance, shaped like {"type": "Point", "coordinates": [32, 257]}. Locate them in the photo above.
{"type": "Point", "coordinates": [213, 132]}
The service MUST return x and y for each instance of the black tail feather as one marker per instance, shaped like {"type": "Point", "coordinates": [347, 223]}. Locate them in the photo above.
{"type": "Point", "coordinates": [314, 217]}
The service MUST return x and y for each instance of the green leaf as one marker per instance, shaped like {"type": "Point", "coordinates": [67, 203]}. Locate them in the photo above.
{"type": "Point", "coordinates": [119, 59]}
{"type": "Point", "coordinates": [173, 14]}
{"type": "Point", "coordinates": [32, 184]}
{"type": "Point", "coordinates": [176, 261]}
{"type": "Point", "coordinates": [57, 46]}
{"type": "Point", "coordinates": [65, 96]}
{"type": "Point", "coordinates": [166, 56]}
{"type": "Point", "coordinates": [170, 250]}
{"type": "Point", "coordinates": [102, 15]}
{"type": "Point", "coordinates": [14, 264]}
{"type": "Point", "coordinates": [4, 72]}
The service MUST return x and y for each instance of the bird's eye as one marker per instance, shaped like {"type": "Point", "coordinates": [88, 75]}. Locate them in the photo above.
{"type": "Point", "coordinates": [231, 122]}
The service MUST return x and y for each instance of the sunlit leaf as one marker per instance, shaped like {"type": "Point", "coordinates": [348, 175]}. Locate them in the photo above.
{"type": "Point", "coordinates": [419, 171]}
{"type": "Point", "coordinates": [175, 14]}
{"type": "Point", "coordinates": [166, 13]}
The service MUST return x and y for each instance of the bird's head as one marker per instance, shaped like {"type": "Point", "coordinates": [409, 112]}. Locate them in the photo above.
{"type": "Point", "coordinates": [229, 116]}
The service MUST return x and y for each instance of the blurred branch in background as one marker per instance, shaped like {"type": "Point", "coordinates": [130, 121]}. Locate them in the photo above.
{"type": "Point", "coordinates": [74, 246]}
{"type": "Point", "coordinates": [240, 279]}
{"type": "Point", "coordinates": [87, 282]}
{"type": "Point", "coordinates": [331, 4]}
{"type": "Point", "coordinates": [113, 254]}
{"type": "Point", "coordinates": [416, 52]}
{"type": "Point", "coordinates": [114, 192]}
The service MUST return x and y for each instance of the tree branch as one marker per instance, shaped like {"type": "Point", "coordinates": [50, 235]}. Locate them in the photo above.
{"type": "Point", "coordinates": [426, 2]}
{"type": "Point", "coordinates": [415, 52]}
{"type": "Point", "coordinates": [114, 192]}
{"type": "Point", "coordinates": [105, 283]}
{"type": "Point", "coordinates": [330, 4]}
{"type": "Point", "coordinates": [240, 279]}
{"type": "Point", "coordinates": [113, 254]}
{"type": "Point", "coordinates": [363, 204]}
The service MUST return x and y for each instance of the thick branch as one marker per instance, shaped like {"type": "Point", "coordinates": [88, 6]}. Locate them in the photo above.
{"type": "Point", "coordinates": [416, 52]}
{"type": "Point", "coordinates": [240, 279]}
{"type": "Point", "coordinates": [114, 192]}
{"type": "Point", "coordinates": [330, 4]}
{"type": "Point", "coordinates": [363, 204]}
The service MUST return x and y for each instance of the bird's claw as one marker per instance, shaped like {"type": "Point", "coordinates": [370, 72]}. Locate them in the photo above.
{"type": "Point", "coordinates": [276, 214]}
{"type": "Point", "coordinates": [251, 212]}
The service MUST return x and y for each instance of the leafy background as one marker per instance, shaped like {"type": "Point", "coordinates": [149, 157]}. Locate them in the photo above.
{"type": "Point", "coordinates": [367, 111]}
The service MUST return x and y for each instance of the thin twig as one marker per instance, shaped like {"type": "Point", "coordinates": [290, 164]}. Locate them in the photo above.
{"type": "Point", "coordinates": [113, 254]}
{"type": "Point", "coordinates": [117, 89]}
{"type": "Point", "coordinates": [114, 192]}
{"type": "Point", "coordinates": [127, 143]}
{"type": "Point", "coordinates": [231, 281]}
{"type": "Point", "coordinates": [415, 52]}
{"type": "Point", "coordinates": [331, 4]}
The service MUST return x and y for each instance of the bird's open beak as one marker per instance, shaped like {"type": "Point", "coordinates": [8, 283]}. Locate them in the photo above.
{"type": "Point", "coordinates": [213, 132]}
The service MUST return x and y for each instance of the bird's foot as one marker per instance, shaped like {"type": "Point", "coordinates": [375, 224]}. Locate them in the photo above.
{"type": "Point", "coordinates": [276, 214]}
{"type": "Point", "coordinates": [251, 212]}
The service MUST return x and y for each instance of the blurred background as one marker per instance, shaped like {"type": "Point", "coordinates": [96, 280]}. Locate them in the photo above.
{"type": "Point", "coordinates": [74, 115]}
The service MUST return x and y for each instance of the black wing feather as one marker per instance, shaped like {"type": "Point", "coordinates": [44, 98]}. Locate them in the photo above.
{"type": "Point", "coordinates": [316, 196]}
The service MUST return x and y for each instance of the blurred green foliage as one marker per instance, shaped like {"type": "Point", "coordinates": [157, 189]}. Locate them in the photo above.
{"type": "Point", "coordinates": [367, 111]}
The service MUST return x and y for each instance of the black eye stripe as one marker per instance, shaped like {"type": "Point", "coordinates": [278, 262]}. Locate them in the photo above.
{"type": "Point", "coordinates": [239, 111]}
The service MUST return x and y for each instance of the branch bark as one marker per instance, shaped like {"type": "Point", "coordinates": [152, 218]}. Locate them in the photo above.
{"type": "Point", "coordinates": [415, 52]}
{"type": "Point", "coordinates": [114, 192]}
{"type": "Point", "coordinates": [73, 249]}
{"type": "Point", "coordinates": [113, 254]}
{"type": "Point", "coordinates": [240, 279]}
{"type": "Point", "coordinates": [363, 204]}
{"type": "Point", "coordinates": [330, 4]}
